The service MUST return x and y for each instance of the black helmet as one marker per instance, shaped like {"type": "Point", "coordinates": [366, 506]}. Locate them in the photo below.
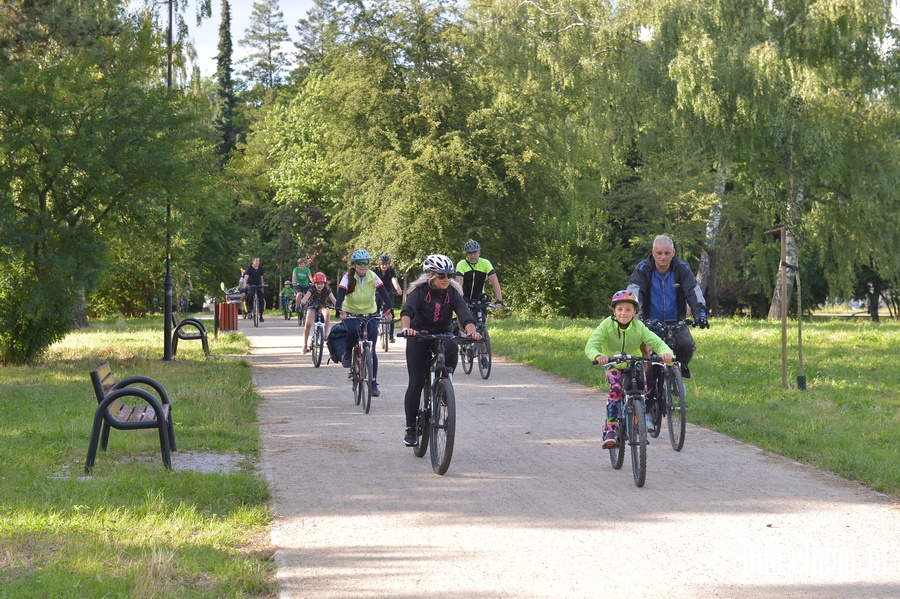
{"type": "Point", "coordinates": [384, 259]}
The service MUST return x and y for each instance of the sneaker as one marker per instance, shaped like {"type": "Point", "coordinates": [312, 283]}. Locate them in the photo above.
{"type": "Point", "coordinates": [375, 391]}
{"type": "Point", "coordinates": [261, 319]}
{"type": "Point", "coordinates": [410, 438]}
{"type": "Point", "coordinates": [305, 350]}
{"type": "Point", "coordinates": [484, 362]}
{"type": "Point", "coordinates": [685, 372]}
{"type": "Point", "coordinates": [393, 340]}
{"type": "Point", "coordinates": [609, 438]}
{"type": "Point", "coordinates": [649, 420]}
{"type": "Point", "coordinates": [345, 361]}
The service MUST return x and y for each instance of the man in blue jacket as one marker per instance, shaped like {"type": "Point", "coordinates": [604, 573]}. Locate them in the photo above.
{"type": "Point", "coordinates": [665, 286]}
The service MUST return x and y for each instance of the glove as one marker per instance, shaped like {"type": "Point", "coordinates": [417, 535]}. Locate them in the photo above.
{"type": "Point", "coordinates": [701, 320]}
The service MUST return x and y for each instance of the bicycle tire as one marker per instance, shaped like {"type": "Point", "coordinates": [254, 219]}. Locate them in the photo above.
{"type": "Point", "coordinates": [301, 317]}
{"type": "Point", "coordinates": [466, 353]}
{"type": "Point", "coordinates": [677, 409]}
{"type": "Point", "coordinates": [443, 426]}
{"type": "Point", "coordinates": [385, 336]}
{"type": "Point", "coordinates": [485, 356]}
{"type": "Point", "coordinates": [617, 453]}
{"type": "Point", "coordinates": [656, 412]}
{"type": "Point", "coordinates": [354, 375]}
{"type": "Point", "coordinates": [423, 430]}
{"type": "Point", "coordinates": [255, 310]}
{"type": "Point", "coordinates": [637, 439]}
{"type": "Point", "coordinates": [318, 345]}
{"type": "Point", "coordinates": [366, 379]}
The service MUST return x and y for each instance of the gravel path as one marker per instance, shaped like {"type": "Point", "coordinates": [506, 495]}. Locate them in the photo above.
{"type": "Point", "coordinates": [531, 506]}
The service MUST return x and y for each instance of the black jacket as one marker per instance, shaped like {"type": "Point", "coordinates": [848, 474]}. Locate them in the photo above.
{"type": "Point", "coordinates": [432, 310]}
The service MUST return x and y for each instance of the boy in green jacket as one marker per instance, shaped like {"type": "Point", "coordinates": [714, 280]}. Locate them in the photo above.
{"type": "Point", "coordinates": [621, 334]}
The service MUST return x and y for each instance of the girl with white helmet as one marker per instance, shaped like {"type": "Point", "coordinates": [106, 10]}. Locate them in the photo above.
{"type": "Point", "coordinates": [430, 303]}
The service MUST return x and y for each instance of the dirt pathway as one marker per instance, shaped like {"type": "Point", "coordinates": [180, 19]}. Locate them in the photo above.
{"type": "Point", "coordinates": [531, 506]}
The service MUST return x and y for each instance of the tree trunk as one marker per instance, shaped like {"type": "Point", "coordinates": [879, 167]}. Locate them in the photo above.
{"type": "Point", "coordinates": [705, 275]}
{"type": "Point", "coordinates": [791, 257]}
{"type": "Point", "coordinates": [79, 313]}
{"type": "Point", "coordinates": [874, 298]}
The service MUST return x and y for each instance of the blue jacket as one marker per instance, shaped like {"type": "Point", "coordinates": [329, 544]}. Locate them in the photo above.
{"type": "Point", "coordinates": [686, 289]}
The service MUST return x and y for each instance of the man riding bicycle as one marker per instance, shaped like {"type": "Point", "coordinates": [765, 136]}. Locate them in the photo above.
{"type": "Point", "coordinates": [473, 271]}
{"type": "Point", "coordinates": [253, 281]}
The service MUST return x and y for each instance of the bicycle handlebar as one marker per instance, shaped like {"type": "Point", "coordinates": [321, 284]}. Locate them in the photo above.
{"type": "Point", "coordinates": [426, 336]}
{"type": "Point", "coordinates": [687, 322]}
{"type": "Point", "coordinates": [619, 358]}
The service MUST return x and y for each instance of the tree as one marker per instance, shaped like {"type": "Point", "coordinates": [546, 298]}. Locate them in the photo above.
{"type": "Point", "coordinates": [91, 142]}
{"type": "Point", "coordinates": [224, 99]}
{"type": "Point", "coordinates": [266, 62]}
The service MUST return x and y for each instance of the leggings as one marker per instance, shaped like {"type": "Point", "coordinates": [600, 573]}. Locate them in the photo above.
{"type": "Point", "coordinates": [618, 380]}
{"type": "Point", "coordinates": [418, 355]}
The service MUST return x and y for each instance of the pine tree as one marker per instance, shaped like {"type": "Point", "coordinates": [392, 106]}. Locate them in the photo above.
{"type": "Point", "coordinates": [267, 32]}
{"type": "Point", "coordinates": [224, 91]}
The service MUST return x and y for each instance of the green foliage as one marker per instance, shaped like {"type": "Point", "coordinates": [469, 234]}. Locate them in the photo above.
{"type": "Point", "coordinates": [575, 274]}
{"type": "Point", "coordinates": [736, 389]}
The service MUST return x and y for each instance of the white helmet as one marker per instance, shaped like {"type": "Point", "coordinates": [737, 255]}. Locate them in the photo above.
{"type": "Point", "coordinates": [438, 263]}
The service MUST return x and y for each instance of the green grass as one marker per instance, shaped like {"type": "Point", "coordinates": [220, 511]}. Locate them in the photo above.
{"type": "Point", "coordinates": [847, 421]}
{"type": "Point", "coordinates": [132, 528]}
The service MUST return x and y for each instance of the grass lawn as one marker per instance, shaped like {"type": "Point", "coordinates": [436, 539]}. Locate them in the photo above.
{"type": "Point", "coordinates": [132, 528]}
{"type": "Point", "coordinates": [847, 421]}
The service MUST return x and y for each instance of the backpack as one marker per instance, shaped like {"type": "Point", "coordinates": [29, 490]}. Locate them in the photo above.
{"type": "Point", "coordinates": [337, 341]}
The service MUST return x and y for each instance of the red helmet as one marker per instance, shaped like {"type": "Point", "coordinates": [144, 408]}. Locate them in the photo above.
{"type": "Point", "coordinates": [624, 296]}
{"type": "Point", "coordinates": [320, 277]}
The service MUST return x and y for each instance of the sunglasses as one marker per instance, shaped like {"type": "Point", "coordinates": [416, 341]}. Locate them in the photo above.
{"type": "Point", "coordinates": [364, 263]}
{"type": "Point", "coordinates": [441, 275]}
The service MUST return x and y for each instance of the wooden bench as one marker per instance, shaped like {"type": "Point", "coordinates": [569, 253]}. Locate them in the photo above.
{"type": "Point", "coordinates": [113, 412]}
{"type": "Point", "coordinates": [180, 332]}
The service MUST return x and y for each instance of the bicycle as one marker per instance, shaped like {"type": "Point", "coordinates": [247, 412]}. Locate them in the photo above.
{"type": "Point", "coordinates": [468, 352]}
{"type": "Point", "coordinates": [631, 428]}
{"type": "Point", "coordinates": [255, 308]}
{"type": "Point", "coordinates": [317, 347]}
{"type": "Point", "coordinates": [362, 362]}
{"type": "Point", "coordinates": [436, 420]}
{"type": "Point", "coordinates": [669, 386]}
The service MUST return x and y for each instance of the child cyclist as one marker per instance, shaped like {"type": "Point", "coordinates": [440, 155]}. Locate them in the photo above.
{"type": "Point", "coordinates": [316, 300]}
{"type": "Point", "coordinates": [621, 333]}
{"type": "Point", "coordinates": [287, 294]}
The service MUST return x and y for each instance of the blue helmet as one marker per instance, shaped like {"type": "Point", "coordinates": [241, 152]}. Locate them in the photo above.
{"type": "Point", "coordinates": [360, 255]}
{"type": "Point", "coordinates": [472, 246]}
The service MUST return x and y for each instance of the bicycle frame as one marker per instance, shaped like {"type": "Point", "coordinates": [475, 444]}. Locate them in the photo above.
{"type": "Point", "coordinates": [364, 350]}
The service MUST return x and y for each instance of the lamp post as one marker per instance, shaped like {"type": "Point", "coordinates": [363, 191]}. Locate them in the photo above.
{"type": "Point", "coordinates": [167, 324]}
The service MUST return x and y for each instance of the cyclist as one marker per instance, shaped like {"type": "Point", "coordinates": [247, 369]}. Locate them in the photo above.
{"type": "Point", "coordinates": [621, 333]}
{"type": "Point", "coordinates": [287, 294]}
{"type": "Point", "coordinates": [254, 276]}
{"type": "Point", "coordinates": [473, 271]}
{"type": "Point", "coordinates": [665, 286]}
{"type": "Point", "coordinates": [388, 276]}
{"type": "Point", "coordinates": [358, 288]}
{"type": "Point", "coordinates": [301, 277]}
{"type": "Point", "coordinates": [430, 303]}
{"type": "Point", "coordinates": [316, 300]}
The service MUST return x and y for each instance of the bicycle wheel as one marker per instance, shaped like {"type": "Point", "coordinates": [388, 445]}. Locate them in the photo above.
{"type": "Point", "coordinates": [423, 430]}
{"type": "Point", "coordinates": [385, 335]}
{"type": "Point", "coordinates": [637, 439]}
{"type": "Point", "coordinates": [655, 409]}
{"type": "Point", "coordinates": [355, 373]}
{"type": "Point", "coordinates": [255, 310]}
{"type": "Point", "coordinates": [484, 354]}
{"type": "Point", "coordinates": [617, 453]}
{"type": "Point", "coordinates": [676, 408]}
{"type": "Point", "coordinates": [466, 356]}
{"type": "Point", "coordinates": [318, 345]}
{"type": "Point", "coordinates": [443, 426]}
{"type": "Point", "coordinates": [365, 379]}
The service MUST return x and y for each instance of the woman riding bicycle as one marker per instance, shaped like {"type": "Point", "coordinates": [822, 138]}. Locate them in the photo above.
{"type": "Point", "coordinates": [356, 295]}
{"type": "Point", "coordinates": [621, 333]}
{"type": "Point", "coordinates": [316, 300]}
{"type": "Point", "coordinates": [430, 303]}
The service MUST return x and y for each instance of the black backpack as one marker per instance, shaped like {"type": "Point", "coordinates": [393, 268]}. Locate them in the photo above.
{"type": "Point", "coordinates": [337, 341]}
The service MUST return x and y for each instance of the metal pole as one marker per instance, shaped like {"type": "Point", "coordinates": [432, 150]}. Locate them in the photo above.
{"type": "Point", "coordinates": [784, 381]}
{"type": "Point", "coordinates": [167, 324]}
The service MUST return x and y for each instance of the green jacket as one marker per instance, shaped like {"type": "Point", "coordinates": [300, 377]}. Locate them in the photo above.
{"type": "Point", "coordinates": [608, 339]}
